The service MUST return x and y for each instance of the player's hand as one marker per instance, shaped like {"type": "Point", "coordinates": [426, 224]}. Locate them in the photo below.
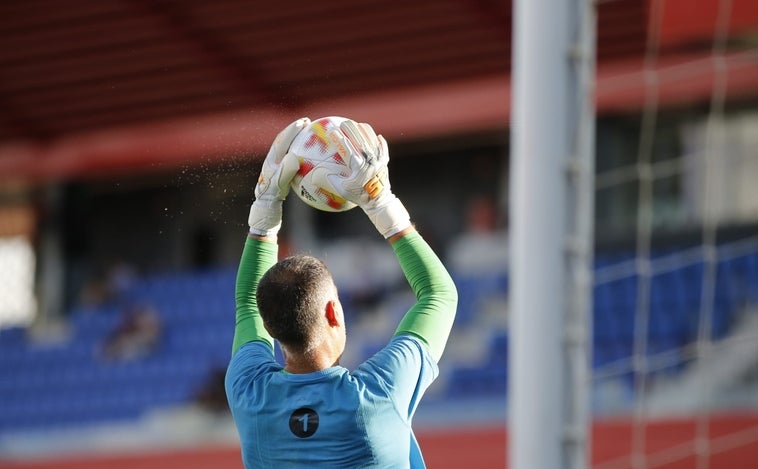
{"type": "Point", "coordinates": [366, 156]}
{"type": "Point", "coordinates": [273, 185]}
{"type": "Point", "coordinates": [368, 186]}
{"type": "Point", "coordinates": [279, 167]}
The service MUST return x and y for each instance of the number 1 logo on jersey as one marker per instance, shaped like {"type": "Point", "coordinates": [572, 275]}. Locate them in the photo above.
{"type": "Point", "coordinates": [304, 422]}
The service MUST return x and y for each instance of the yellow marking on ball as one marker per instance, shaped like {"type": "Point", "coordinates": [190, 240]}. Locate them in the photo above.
{"type": "Point", "coordinates": [319, 131]}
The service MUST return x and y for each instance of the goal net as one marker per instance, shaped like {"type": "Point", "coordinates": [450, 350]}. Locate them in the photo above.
{"type": "Point", "coordinates": [675, 321]}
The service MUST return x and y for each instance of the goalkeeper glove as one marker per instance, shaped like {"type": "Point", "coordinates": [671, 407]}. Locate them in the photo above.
{"type": "Point", "coordinates": [368, 185]}
{"type": "Point", "coordinates": [273, 185]}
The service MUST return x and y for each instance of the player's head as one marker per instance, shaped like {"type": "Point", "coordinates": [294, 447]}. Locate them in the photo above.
{"type": "Point", "coordinates": [299, 305]}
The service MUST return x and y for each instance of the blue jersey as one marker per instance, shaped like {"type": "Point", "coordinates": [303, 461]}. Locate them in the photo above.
{"type": "Point", "coordinates": [330, 418]}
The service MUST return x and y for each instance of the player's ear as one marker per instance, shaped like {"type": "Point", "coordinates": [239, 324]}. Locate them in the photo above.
{"type": "Point", "coordinates": [332, 313]}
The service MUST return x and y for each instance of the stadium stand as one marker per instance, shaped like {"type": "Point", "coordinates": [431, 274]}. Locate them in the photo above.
{"type": "Point", "coordinates": [68, 383]}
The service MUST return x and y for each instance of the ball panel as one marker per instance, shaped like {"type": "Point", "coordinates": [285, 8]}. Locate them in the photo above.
{"type": "Point", "coordinates": [318, 159]}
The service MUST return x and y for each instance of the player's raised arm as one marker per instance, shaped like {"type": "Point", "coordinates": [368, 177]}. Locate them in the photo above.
{"type": "Point", "coordinates": [431, 318]}
{"type": "Point", "coordinates": [261, 250]}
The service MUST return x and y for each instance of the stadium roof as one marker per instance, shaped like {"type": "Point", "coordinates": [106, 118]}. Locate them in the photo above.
{"type": "Point", "coordinates": [103, 85]}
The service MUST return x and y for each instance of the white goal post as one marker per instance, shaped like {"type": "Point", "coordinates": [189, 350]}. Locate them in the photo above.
{"type": "Point", "coordinates": [552, 198]}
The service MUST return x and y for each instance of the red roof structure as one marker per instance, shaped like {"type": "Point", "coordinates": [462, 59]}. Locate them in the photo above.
{"type": "Point", "coordinates": [100, 85]}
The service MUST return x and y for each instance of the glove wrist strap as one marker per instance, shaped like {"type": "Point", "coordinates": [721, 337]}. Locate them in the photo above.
{"type": "Point", "coordinates": [390, 218]}
{"type": "Point", "coordinates": [265, 217]}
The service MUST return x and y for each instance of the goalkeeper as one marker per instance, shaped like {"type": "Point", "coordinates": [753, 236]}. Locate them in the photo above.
{"type": "Point", "coordinates": [312, 412]}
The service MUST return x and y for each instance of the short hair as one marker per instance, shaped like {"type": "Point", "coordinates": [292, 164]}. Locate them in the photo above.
{"type": "Point", "coordinates": [291, 296]}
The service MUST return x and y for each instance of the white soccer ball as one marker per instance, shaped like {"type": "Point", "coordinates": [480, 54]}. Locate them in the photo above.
{"type": "Point", "coordinates": [319, 160]}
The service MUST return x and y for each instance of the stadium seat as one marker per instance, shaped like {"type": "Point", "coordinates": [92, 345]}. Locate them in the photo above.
{"type": "Point", "coordinates": [477, 382]}
{"type": "Point", "coordinates": [68, 384]}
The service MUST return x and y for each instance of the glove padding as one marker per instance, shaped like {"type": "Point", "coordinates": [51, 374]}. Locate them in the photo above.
{"type": "Point", "coordinates": [368, 185]}
{"type": "Point", "coordinates": [273, 185]}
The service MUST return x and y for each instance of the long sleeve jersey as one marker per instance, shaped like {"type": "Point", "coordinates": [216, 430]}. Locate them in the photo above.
{"type": "Point", "coordinates": [336, 417]}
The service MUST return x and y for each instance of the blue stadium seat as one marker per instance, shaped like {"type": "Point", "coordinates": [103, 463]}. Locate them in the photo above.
{"type": "Point", "coordinates": [473, 289]}
{"type": "Point", "coordinates": [498, 351]}
{"type": "Point", "coordinates": [751, 274]}
{"type": "Point", "coordinates": [68, 385]}
{"type": "Point", "coordinates": [477, 382]}
{"type": "Point", "coordinates": [602, 353]}
{"type": "Point", "coordinates": [11, 337]}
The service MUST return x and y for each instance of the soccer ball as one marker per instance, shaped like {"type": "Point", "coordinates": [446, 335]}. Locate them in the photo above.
{"type": "Point", "coordinates": [319, 160]}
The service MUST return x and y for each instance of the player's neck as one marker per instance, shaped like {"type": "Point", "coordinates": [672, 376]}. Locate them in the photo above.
{"type": "Point", "coordinates": [310, 362]}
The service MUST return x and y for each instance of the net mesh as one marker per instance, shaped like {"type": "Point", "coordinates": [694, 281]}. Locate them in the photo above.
{"type": "Point", "coordinates": [675, 314]}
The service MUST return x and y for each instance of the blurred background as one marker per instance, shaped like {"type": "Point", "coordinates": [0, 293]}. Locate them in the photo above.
{"type": "Point", "coordinates": [131, 133]}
